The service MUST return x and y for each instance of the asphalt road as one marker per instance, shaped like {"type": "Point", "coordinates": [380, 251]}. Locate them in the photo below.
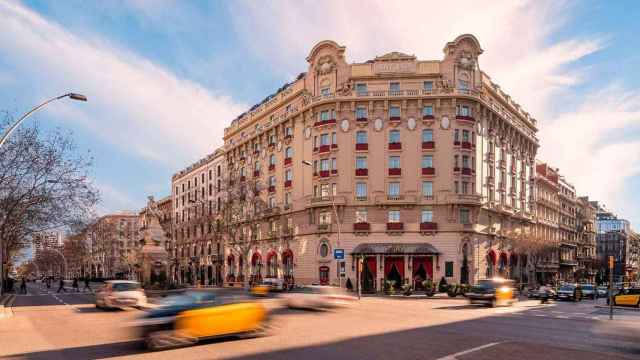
{"type": "Point", "coordinates": [67, 326]}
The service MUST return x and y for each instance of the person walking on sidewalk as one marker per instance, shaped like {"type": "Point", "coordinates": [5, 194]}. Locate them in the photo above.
{"type": "Point", "coordinates": [86, 285]}
{"type": "Point", "coordinates": [61, 287]}
{"type": "Point", "coordinates": [23, 286]}
{"type": "Point", "coordinates": [74, 285]}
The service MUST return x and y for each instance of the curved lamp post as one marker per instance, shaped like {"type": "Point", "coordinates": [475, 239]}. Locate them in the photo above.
{"type": "Point", "coordinates": [4, 138]}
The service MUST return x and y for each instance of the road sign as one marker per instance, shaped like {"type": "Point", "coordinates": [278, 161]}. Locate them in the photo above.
{"type": "Point", "coordinates": [338, 254]}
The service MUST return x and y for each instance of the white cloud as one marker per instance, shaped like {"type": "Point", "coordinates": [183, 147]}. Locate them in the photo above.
{"type": "Point", "coordinates": [520, 54]}
{"type": "Point", "coordinates": [133, 103]}
{"type": "Point", "coordinates": [114, 200]}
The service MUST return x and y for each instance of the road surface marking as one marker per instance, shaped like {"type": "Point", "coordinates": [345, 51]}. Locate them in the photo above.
{"type": "Point", "coordinates": [454, 356]}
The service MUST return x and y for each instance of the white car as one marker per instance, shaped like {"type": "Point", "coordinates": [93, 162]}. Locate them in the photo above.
{"type": "Point", "coordinates": [317, 297]}
{"type": "Point", "coordinates": [120, 294]}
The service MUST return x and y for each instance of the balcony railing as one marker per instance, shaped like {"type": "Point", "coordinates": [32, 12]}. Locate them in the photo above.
{"type": "Point", "coordinates": [325, 173]}
{"type": "Point", "coordinates": [324, 227]}
{"type": "Point", "coordinates": [362, 119]}
{"type": "Point", "coordinates": [362, 172]}
{"type": "Point", "coordinates": [272, 167]}
{"type": "Point", "coordinates": [288, 183]}
{"type": "Point", "coordinates": [324, 148]}
{"type": "Point", "coordinates": [428, 171]}
{"type": "Point", "coordinates": [326, 201]}
{"type": "Point", "coordinates": [324, 122]}
{"type": "Point", "coordinates": [466, 118]}
{"type": "Point", "coordinates": [395, 146]}
{"type": "Point", "coordinates": [428, 145]}
{"type": "Point", "coordinates": [334, 171]}
{"type": "Point", "coordinates": [362, 147]}
{"type": "Point", "coordinates": [466, 145]}
{"type": "Point", "coordinates": [395, 171]}
{"type": "Point", "coordinates": [428, 117]}
{"type": "Point", "coordinates": [256, 173]}
{"type": "Point", "coordinates": [288, 161]}
{"type": "Point", "coordinates": [467, 171]}
{"type": "Point", "coordinates": [334, 146]}
{"type": "Point", "coordinates": [394, 118]}
{"type": "Point", "coordinates": [272, 188]}
{"type": "Point", "coordinates": [428, 226]}
{"type": "Point", "coordinates": [362, 226]}
{"type": "Point", "coordinates": [395, 226]}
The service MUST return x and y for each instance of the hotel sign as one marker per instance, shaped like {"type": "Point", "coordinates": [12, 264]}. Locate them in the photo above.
{"type": "Point", "coordinates": [394, 67]}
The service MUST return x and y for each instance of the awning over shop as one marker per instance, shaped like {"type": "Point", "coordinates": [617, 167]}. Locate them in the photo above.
{"type": "Point", "coordinates": [395, 249]}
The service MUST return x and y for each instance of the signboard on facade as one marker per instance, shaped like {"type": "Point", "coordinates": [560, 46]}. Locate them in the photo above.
{"type": "Point", "coordinates": [395, 67]}
{"type": "Point", "coordinates": [338, 254]}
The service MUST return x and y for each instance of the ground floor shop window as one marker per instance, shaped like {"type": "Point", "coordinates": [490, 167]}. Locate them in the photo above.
{"type": "Point", "coordinates": [324, 275]}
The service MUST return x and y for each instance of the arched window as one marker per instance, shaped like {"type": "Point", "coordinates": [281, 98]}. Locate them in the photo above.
{"type": "Point", "coordinates": [287, 263]}
{"type": "Point", "coordinates": [272, 264]}
{"type": "Point", "coordinates": [324, 250]}
{"type": "Point", "coordinates": [231, 265]}
{"type": "Point", "coordinates": [289, 152]}
{"type": "Point", "coordinates": [256, 264]}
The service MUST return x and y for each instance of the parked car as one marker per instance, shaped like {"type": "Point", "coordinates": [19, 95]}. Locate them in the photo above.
{"type": "Point", "coordinates": [627, 297]}
{"type": "Point", "coordinates": [120, 294]}
{"type": "Point", "coordinates": [589, 291]}
{"type": "Point", "coordinates": [317, 297]}
{"type": "Point", "coordinates": [571, 292]}
{"type": "Point", "coordinates": [535, 293]}
{"type": "Point", "coordinates": [603, 291]}
{"type": "Point", "coordinates": [493, 292]}
{"type": "Point", "coordinates": [187, 318]}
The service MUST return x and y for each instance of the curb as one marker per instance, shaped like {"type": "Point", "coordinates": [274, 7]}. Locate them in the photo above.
{"type": "Point", "coordinates": [617, 307]}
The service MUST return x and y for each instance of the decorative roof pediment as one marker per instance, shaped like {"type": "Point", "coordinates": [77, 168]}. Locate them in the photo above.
{"type": "Point", "coordinates": [395, 56]}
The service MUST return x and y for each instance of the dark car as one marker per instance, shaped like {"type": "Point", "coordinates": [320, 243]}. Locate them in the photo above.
{"type": "Point", "coordinates": [569, 292]}
{"type": "Point", "coordinates": [493, 292]}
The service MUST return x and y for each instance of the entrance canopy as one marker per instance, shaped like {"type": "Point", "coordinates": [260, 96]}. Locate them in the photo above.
{"type": "Point", "coordinates": [395, 249]}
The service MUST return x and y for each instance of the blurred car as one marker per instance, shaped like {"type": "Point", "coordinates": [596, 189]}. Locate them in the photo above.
{"type": "Point", "coordinates": [570, 292]}
{"type": "Point", "coordinates": [120, 294]}
{"type": "Point", "coordinates": [589, 291]}
{"type": "Point", "coordinates": [627, 297]}
{"type": "Point", "coordinates": [317, 297]}
{"type": "Point", "coordinates": [187, 318]}
{"type": "Point", "coordinates": [535, 293]}
{"type": "Point", "coordinates": [267, 286]}
{"type": "Point", "coordinates": [603, 291]}
{"type": "Point", "coordinates": [493, 292]}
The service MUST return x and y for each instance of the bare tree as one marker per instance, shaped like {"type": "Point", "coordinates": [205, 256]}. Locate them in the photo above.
{"type": "Point", "coordinates": [44, 185]}
{"type": "Point", "coordinates": [242, 212]}
{"type": "Point", "coordinates": [527, 241]}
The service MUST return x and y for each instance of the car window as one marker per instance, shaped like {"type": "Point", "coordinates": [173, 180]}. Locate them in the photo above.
{"type": "Point", "coordinates": [587, 287]}
{"type": "Point", "coordinates": [125, 286]}
{"type": "Point", "coordinates": [566, 288]}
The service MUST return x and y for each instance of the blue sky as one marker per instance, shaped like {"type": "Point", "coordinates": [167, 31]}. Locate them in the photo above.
{"type": "Point", "coordinates": [164, 77]}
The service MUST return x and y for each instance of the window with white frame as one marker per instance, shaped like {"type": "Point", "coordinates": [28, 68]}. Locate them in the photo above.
{"type": "Point", "coordinates": [465, 187]}
{"type": "Point", "coordinates": [394, 86]}
{"type": "Point", "coordinates": [361, 162]}
{"type": "Point", "coordinates": [427, 110]}
{"type": "Point", "coordinates": [361, 190]}
{"type": "Point", "coordinates": [361, 89]}
{"type": "Point", "coordinates": [427, 161]}
{"type": "Point", "coordinates": [324, 115]}
{"type": "Point", "coordinates": [272, 180]}
{"type": "Point", "coordinates": [465, 135]}
{"type": "Point", "coordinates": [463, 110]}
{"type": "Point", "coordinates": [334, 164]}
{"type": "Point", "coordinates": [394, 136]}
{"type": "Point", "coordinates": [334, 189]}
{"type": "Point", "coordinates": [324, 217]}
{"type": "Point", "coordinates": [324, 165]}
{"type": "Point", "coordinates": [361, 112]}
{"type": "Point", "coordinates": [394, 111]}
{"type": "Point", "coordinates": [287, 198]}
{"type": "Point", "coordinates": [427, 85]}
{"type": "Point", "coordinates": [394, 162]}
{"type": "Point", "coordinates": [465, 216]}
{"type": "Point", "coordinates": [456, 135]}
{"type": "Point", "coordinates": [324, 91]}
{"type": "Point", "coordinates": [361, 137]}
{"type": "Point", "coordinates": [427, 135]}
{"type": "Point", "coordinates": [272, 159]}
{"type": "Point", "coordinates": [427, 215]}
{"type": "Point", "coordinates": [288, 131]}
{"type": "Point", "coordinates": [288, 152]}
{"type": "Point", "coordinates": [334, 138]}
{"type": "Point", "coordinates": [465, 161]}
{"type": "Point", "coordinates": [394, 216]}
{"type": "Point", "coordinates": [324, 139]}
{"type": "Point", "coordinates": [361, 215]}
{"type": "Point", "coordinates": [288, 175]}
{"type": "Point", "coordinates": [256, 166]}
{"type": "Point", "coordinates": [272, 201]}
{"type": "Point", "coordinates": [427, 188]}
{"type": "Point", "coordinates": [394, 189]}
{"type": "Point", "coordinates": [324, 190]}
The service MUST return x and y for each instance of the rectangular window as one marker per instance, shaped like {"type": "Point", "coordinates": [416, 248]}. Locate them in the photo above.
{"type": "Point", "coordinates": [324, 165]}
{"type": "Point", "coordinates": [427, 135]}
{"type": "Point", "coordinates": [427, 161]}
{"type": "Point", "coordinates": [394, 86]}
{"type": "Point", "coordinates": [324, 115]}
{"type": "Point", "coordinates": [465, 161]}
{"type": "Point", "coordinates": [361, 215]}
{"type": "Point", "coordinates": [394, 136]}
{"type": "Point", "coordinates": [394, 189]}
{"type": "Point", "coordinates": [361, 112]}
{"type": "Point", "coordinates": [324, 190]}
{"type": "Point", "coordinates": [361, 162]}
{"type": "Point", "coordinates": [465, 187]}
{"type": "Point", "coordinates": [394, 162]}
{"type": "Point", "coordinates": [361, 89]}
{"type": "Point", "coordinates": [334, 164]}
{"type": "Point", "coordinates": [324, 139]}
{"type": "Point", "coordinates": [448, 268]}
{"type": "Point", "coordinates": [464, 110]}
{"type": "Point", "coordinates": [394, 111]}
{"type": "Point", "coordinates": [288, 175]}
{"type": "Point", "coordinates": [456, 135]}
{"type": "Point", "coordinates": [361, 137]}
{"type": "Point", "coordinates": [427, 215]}
{"type": "Point", "coordinates": [324, 91]}
{"type": "Point", "coordinates": [272, 201]}
{"type": "Point", "coordinates": [456, 187]}
{"type": "Point", "coordinates": [334, 189]}
{"type": "Point", "coordinates": [427, 188]}
{"type": "Point", "coordinates": [334, 138]}
{"type": "Point", "coordinates": [272, 181]}
{"type": "Point", "coordinates": [361, 190]}
{"type": "Point", "coordinates": [394, 216]}
{"type": "Point", "coordinates": [427, 85]}
{"type": "Point", "coordinates": [465, 216]}
{"type": "Point", "coordinates": [465, 135]}
{"type": "Point", "coordinates": [427, 110]}
{"type": "Point", "coordinates": [325, 218]}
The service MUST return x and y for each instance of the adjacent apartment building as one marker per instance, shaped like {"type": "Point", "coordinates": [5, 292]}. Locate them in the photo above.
{"type": "Point", "coordinates": [615, 238]}
{"type": "Point", "coordinates": [114, 243]}
{"type": "Point", "coordinates": [420, 167]}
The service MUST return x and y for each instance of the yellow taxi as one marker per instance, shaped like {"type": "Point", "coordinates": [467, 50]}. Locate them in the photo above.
{"type": "Point", "coordinates": [185, 319]}
{"type": "Point", "coordinates": [627, 297]}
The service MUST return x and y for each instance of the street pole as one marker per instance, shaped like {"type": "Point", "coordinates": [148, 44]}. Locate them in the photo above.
{"type": "Point", "coordinates": [610, 287]}
{"type": "Point", "coordinates": [4, 138]}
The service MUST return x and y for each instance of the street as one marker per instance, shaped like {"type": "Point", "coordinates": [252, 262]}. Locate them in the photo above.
{"type": "Point", "coordinates": [47, 325]}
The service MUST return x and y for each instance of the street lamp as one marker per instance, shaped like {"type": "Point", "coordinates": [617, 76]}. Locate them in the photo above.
{"type": "Point", "coordinates": [335, 211]}
{"type": "Point", "coordinates": [4, 138]}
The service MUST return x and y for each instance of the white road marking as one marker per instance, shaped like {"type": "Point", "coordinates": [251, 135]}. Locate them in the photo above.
{"type": "Point", "coordinates": [454, 356]}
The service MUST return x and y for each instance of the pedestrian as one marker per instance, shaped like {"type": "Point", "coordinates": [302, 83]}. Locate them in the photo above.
{"type": "Point", "coordinates": [61, 287]}
{"type": "Point", "coordinates": [86, 285]}
{"type": "Point", "coordinates": [23, 286]}
{"type": "Point", "coordinates": [75, 284]}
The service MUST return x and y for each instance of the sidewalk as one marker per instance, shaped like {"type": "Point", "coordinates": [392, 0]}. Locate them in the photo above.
{"type": "Point", "coordinates": [6, 302]}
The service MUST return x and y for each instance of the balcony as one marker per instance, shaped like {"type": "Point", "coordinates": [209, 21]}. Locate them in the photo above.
{"type": "Point", "coordinates": [334, 146]}
{"type": "Point", "coordinates": [456, 169]}
{"type": "Point", "coordinates": [272, 167]}
{"type": "Point", "coordinates": [272, 188]}
{"type": "Point", "coordinates": [362, 172]}
{"type": "Point", "coordinates": [256, 173]}
{"type": "Point", "coordinates": [395, 146]}
{"type": "Point", "coordinates": [428, 145]}
{"type": "Point", "coordinates": [362, 147]}
{"type": "Point", "coordinates": [288, 137]}
{"type": "Point", "coordinates": [466, 145]}
{"type": "Point", "coordinates": [395, 171]}
{"type": "Point", "coordinates": [288, 183]}
{"type": "Point", "coordinates": [361, 227]}
{"type": "Point", "coordinates": [394, 118]}
{"type": "Point", "coordinates": [362, 119]}
{"type": "Point", "coordinates": [320, 201]}
{"type": "Point", "coordinates": [428, 227]}
{"type": "Point", "coordinates": [324, 122]}
{"type": "Point", "coordinates": [467, 171]}
{"type": "Point", "coordinates": [324, 148]}
{"type": "Point", "coordinates": [325, 173]}
{"type": "Point", "coordinates": [288, 161]}
{"type": "Point", "coordinates": [466, 118]}
{"type": "Point", "coordinates": [334, 171]}
{"type": "Point", "coordinates": [270, 211]}
{"type": "Point", "coordinates": [243, 178]}
{"type": "Point", "coordinates": [428, 117]}
{"type": "Point", "coordinates": [323, 228]}
{"type": "Point", "coordinates": [395, 226]}
{"type": "Point", "coordinates": [429, 171]}
{"type": "Point", "coordinates": [456, 143]}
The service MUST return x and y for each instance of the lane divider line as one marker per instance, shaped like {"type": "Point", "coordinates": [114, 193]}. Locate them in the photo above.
{"type": "Point", "coordinates": [455, 356]}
